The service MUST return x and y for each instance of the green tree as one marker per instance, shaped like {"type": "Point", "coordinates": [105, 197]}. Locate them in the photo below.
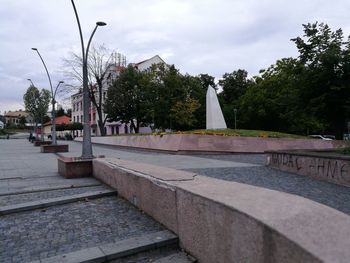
{"type": "Point", "coordinates": [234, 85]}
{"type": "Point", "coordinates": [127, 98]}
{"type": "Point", "coordinates": [22, 122]}
{"type": "Point", "coordinates": [171, 93]}
{"type": "Point", "coordinates": [207, 80]}
{"type": "Point", "coordinates": [183, 112]}
{"type": "Point", "coordinates": [60, 112]}
{"type": "Point", "coordinates": [69, 113]}
{"type": "Point", "coordinates": [326, 74]}
{"type": "Point", "coordinates": [30, 99]}
{"type": "Point", "coordinates": [199, 92]}
{"type": "Point", "coordinates": [37, 103]}
{"type": "Point", "coordinates": [273, 102]}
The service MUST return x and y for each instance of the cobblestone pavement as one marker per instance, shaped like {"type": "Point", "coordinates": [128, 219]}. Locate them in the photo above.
{"type": "Point", "coordinates": [332, 195]}
{"type": "Point", "coordinates": [259, 159]}
{"type": "Point", "coordinates": [42, 233]}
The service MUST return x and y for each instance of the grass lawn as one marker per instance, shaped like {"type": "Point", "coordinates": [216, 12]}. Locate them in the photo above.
{"type": "Point", "coordinates": [12, 131]}
{"type": "Point", "coordinates": [227, 132]}
{"type": "Point", "coordinates": [345, 151]}
{"type": "Point", "coordinates": [247, 133]}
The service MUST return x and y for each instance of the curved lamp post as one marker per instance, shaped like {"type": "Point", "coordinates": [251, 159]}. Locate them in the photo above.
{"type": "Point", "coordinates": [31, 82]}
{"type": "Point", "coordinates": [87, 147]}
{"type": "Point", "coordinates": [53, 101]}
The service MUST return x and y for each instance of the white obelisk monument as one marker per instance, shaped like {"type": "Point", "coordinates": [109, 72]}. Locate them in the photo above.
{"type": "Point", "coordinates": [215, 118]}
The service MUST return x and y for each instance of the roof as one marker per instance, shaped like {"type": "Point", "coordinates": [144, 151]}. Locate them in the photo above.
{"type": "Point", "coordinates": [59, 120]}
{"type": "Point", "coordinates": [17, 114]}
{"type": "Point", "coordinates": [139, 63]}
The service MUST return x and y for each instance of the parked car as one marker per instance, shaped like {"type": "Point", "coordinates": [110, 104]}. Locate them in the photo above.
{"type": "Point", "coordinates": [321, 137]}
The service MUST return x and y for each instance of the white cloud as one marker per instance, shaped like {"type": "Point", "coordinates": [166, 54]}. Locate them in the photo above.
{"type": "Point", "coordinates": [204, 36]}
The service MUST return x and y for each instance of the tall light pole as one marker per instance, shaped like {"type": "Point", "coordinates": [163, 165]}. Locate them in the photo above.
{"type": "Point", "coordinates": [53, 94]}
{"type": "Point", "coordinates": [87, 147]}
{"type": "Point", "coordinates": [53, 100]}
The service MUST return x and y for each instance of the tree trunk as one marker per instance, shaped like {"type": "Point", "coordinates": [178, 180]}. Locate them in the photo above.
{"type": "Point", "coordinates": [42, 128]}
{"type": "Point", "coordinates": [136, 127]}
{"type": "Point", "coordinates": [101, 126]}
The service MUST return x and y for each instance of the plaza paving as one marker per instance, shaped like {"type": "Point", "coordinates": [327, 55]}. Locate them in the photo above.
{"type": "Point", "coordinates": [26, 175]}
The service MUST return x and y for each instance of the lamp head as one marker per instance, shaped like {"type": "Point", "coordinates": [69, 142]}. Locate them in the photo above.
{"type": "Point", "coordinates": [34, 48]}
{"type": "Point", "coordinates": [100, 23]}
{"type": "Point", "coordinates": [61, 81]}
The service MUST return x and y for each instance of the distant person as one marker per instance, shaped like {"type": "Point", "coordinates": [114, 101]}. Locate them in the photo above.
{"type": "Point", "coordinates": [8, 136]}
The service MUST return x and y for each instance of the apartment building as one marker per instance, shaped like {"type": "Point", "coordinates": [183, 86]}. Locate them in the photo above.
{"type": "Point", "coordinates": [111, 128]}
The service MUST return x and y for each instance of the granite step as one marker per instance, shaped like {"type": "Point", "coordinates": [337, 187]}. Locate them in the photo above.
{"type": "Point", "coordinates": [119, 249]}
{"type": "Point", "coordinates": [179, 257]}
{"type": "Point", "coordinates": [15, 208]}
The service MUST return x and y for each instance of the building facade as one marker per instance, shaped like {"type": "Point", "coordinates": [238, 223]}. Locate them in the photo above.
{"type": "Point", "coordinates": [111, 128]}
{"type": "Point", "coordinates": [59, 121]}
{"type": "Point", "coordinates": [16, 118]}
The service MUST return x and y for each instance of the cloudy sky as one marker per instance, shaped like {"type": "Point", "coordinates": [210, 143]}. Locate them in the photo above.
{"type": "Point", "coordinates": [198, 36]}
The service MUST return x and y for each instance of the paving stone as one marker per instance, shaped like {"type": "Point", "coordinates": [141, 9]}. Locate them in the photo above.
{"type": "Point", "coordinates": [335, 196]}
{"type": "Point", "coordinates": [71, 227]}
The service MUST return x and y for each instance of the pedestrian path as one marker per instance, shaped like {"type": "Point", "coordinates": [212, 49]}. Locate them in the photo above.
{"type": "Point", "coordinates": [47, 218]}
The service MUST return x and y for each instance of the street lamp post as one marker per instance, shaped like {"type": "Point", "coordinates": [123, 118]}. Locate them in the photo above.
{"type": "Point", "coordinates": [31, 82]}
{"type": "Point", "coordinates": [53, 100]}
{"type": "Point", "coordinates": [87, 147]}
{"type": "Point", "coordinates": [235, 112]}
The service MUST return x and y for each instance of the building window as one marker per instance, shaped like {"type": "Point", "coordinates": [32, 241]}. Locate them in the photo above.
{"type": "Point", "coordinates": [77, 118]}
{"type": "Point", "coordinates": [73, 118]}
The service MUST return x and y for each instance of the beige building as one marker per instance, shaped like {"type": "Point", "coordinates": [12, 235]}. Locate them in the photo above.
{"type": "Point", "coordinates": [13, 118]}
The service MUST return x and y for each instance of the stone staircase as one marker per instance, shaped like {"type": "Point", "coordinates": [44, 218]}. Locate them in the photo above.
{"type": "Point", "coordinates": [81, 224]}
